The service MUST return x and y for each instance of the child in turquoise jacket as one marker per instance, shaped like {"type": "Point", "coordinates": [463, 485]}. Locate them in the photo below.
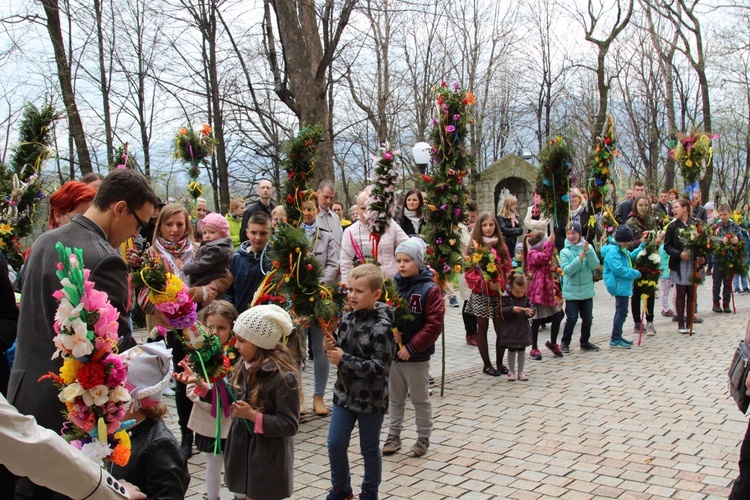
{"type": "Point", "coordinates": [619, 275]}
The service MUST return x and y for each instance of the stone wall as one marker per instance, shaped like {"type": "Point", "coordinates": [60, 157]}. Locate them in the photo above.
{"type": "Point", "coordinates": [512, 173]}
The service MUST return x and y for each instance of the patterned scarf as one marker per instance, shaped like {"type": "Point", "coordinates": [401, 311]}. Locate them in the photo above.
{"type": "Point", "coordinates": [310, 230]}
{"type": "Point", "coordinates": [174, 248]}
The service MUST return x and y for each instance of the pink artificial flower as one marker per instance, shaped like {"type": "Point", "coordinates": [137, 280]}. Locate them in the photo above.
{"type": "Point", "coordinates": [116, 371]}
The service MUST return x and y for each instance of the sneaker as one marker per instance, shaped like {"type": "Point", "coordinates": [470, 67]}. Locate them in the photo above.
{"type": "Point", "coordinates": [511, 377]}
{"type": "Point", "coordinates": [420, 447]}
{"type": "Point", "coordinates": [588, 346]}
{"type": "Point", "coordinates": [453, 302]}
{"type": "Point", "coordinates": [626, 341]}
{"type": "Point", "coordinates": [523, 377]}
{"type": "Point", "coordinates": [737, 290]}
{"type": "Point", "coordinates": [746, 290]}
{"type": "Point", "coordinates": [650, 330]}
{"type": "Point", "coordinates": [535, 354]}
{"type": "Point", "coordinates": [392, 445]}
{"type": "Point", "coordinates": [565, 348]}
{"type": "Point", "coordinates": [683, 331]}
{"type": "Point", "coordinates": [619, 344]}
{"type": "Point", "coordinates": [636, 328]}
{"type": "Point", "coordinates": [554, 348]}
{"type": "Point", "coordinates": [669, 313]}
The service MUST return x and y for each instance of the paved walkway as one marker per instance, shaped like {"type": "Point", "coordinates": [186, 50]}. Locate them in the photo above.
{"type": "Point", "coordinates": [652, 422]}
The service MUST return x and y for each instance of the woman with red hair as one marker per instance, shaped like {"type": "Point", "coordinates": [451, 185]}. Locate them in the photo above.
{"type": "Point", "coordinates": [71, 199]}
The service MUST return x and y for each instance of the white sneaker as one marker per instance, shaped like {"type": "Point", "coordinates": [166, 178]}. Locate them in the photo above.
{"type": "Point", "coordinates": [637, 328]}
{"type": "Point", "coordinates": [650, 330]}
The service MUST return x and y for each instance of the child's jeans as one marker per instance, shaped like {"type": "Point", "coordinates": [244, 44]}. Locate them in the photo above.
{"type": "Point", "coordinates": [410, 379]}
{"type": "Point", "coordinates": [621, 314]}
{"type": "Point", "coordinates": [665, 286]}
{"type": "Point", "coordinates": [739, 283]}
{"type": "Point", "coordinates": [339, 434]}
{"type": "Point", "coordinates": [574, 309]}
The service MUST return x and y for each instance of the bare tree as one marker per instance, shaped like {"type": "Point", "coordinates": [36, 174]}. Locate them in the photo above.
{"type": "Point", "coordinates": [300, 71]}
{"type": "Point", "coordinates": [603, 43]}
{"type": "Point", "coordinates": [75, 124]}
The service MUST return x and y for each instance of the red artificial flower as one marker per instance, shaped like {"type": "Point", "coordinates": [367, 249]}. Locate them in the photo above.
{"type": "Point", "coordinates": [440, 99]}
{"type": "Point", "coordinates": [426, 178]}
{"type": "Point", "coordinates": [607, 141]}
{"type": "Point", "coordinates": [90, 375]}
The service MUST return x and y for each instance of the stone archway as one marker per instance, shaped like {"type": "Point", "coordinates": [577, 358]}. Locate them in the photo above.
{"type": "Point", "coordinates": [512, 173]}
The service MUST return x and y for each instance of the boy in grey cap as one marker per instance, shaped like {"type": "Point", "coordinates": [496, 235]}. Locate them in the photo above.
{"type": "Point", "coordinates": [416, 343]}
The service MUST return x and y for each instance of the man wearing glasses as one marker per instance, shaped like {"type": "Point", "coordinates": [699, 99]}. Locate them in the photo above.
{"type": "Point", "coordinates": [123, 202]}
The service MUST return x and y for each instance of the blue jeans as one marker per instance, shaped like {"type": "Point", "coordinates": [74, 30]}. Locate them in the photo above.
{"type": "Point", "coordinates": [573, 309]}
{"type": "Point", "coordinates": [320, 361]}
{"type": "Point", "coordinates": [621, 314]}
{"type": "Point", "coordinates": [339, 434]}
{"type": "Point", "coordinates": [739, 282]}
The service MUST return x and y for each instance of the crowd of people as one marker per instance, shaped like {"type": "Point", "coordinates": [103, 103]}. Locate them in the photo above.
{"type": "Point", "coordinates": [544, 279]}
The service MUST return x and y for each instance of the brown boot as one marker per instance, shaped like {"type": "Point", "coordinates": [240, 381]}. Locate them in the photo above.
{"type": "Point", "coordinates": [716, 308]}
{"type": "Point", "coordinates": [727, 309]}
{"type": "Point", "coordinates": [319, 407]}
{"type": "Point", "coordinates": [302, 404]}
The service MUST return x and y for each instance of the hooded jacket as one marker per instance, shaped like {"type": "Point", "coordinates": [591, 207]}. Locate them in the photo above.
{"type": "Point", "coordinates": [367, 341]}
{"type": "Point", "coordinates": [426, 305]}
{"type": "Point", "coordinates": [247, 268]}
{"type": "Point", "coordinates": [578, 283]}
{"type": "Point", "coordinates": [541, 289]}
{"type": "Point", "coordinates": [210, 262]}
{"type": "Point", "coordinates": [619, 273]}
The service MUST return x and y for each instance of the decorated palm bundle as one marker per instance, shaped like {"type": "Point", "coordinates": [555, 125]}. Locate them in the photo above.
{"type": "Point", "coordinates": [697, 240]}
{"type": "Point", "coordinates": [602, 164]}
{"type": "Point", "coordinates": [162, 291]}
{"type": "Point", "coordinates": [206, 357]}
{"type": "Point", "coordinates": [194, 148]}
{"type": "Point", "coordinates": [648, 263]}
{"type": "Point", "coordinates": [553, 179]}
{"type": "Point", "coordinates": [19, 181]}
{"type": "Point", "coordinates": [732, 257]}
{"type": "Point", "coordinates": [448, 193]}
{"type": "Point", "coordinates": [300, 166]}
{"type": "Point", "coordinates": [92, 377]}
{"type": "Point", "coordinates": [382, 200]}
{"type": "Point", "coordinates": [484, 259]}
{"type": "Point", "coordinates": [692, 154]}
{"type": "Point", "coordinates": [123, 159]}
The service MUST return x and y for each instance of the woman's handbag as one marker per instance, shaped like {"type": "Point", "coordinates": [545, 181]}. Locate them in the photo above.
{"type": "Point", "coordinates": [738, 372]}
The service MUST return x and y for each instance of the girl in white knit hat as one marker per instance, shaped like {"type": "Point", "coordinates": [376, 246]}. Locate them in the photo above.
{"type": "Point", "coordinates": [259, 457]}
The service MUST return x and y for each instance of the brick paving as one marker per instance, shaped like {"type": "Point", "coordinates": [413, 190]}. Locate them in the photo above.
{"type": "Point", "coordinates": [652, 422]}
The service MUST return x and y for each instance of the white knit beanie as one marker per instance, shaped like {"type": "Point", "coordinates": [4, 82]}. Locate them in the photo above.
{"type": "Point", "coordinates": [264, 325]}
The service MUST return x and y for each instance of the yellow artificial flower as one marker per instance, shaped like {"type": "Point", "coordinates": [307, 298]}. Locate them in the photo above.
{"type": "Point", "coordinates": [477, 257]}
{"type": "Point", "coordinates": [491, 267]}
{"type": "Point", "coordinates": [457, 268]}
{"type": "Point", "coordinates": [69, 370]}
{"type": "Point", "coordinates": [123, 437]}
{"type": "Point", "coordinates": [5, 229]}
{"type": "Point", "coordinates": [689, 163]}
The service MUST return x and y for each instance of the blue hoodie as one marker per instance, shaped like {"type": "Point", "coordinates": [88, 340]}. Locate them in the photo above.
{"type": "Point", "coordinates": [619, 273]}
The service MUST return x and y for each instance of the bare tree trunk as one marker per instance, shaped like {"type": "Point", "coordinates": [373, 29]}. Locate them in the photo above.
{"type": "Point", "coordinates": [301, 82]}
{"type": "Point", "coordinates": [603, 82]}
{"type": "Point", "coordinates": [75, 124]}
{"type": "Point", "coordinates": [103, 82]}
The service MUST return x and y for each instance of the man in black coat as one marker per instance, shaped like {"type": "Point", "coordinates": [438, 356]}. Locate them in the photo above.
{"type": "Point", "coordinates": [122, 204]}
{"type": "Point", "coordinates": [264, 204]}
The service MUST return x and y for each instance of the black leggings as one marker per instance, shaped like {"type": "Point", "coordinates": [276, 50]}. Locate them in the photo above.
{"type": "Point", "coordinates": [470, 321]}
{"type": "Point", "coordinates": [555, 319]}
{"type": "Point", "coordinates": [635, 306]}
{"type": "Point", "coordinates": [483, 325]}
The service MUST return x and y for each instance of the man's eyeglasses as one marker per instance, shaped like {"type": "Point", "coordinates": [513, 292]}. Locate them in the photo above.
{"type": "Point", "coordinates": [141, 224]}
